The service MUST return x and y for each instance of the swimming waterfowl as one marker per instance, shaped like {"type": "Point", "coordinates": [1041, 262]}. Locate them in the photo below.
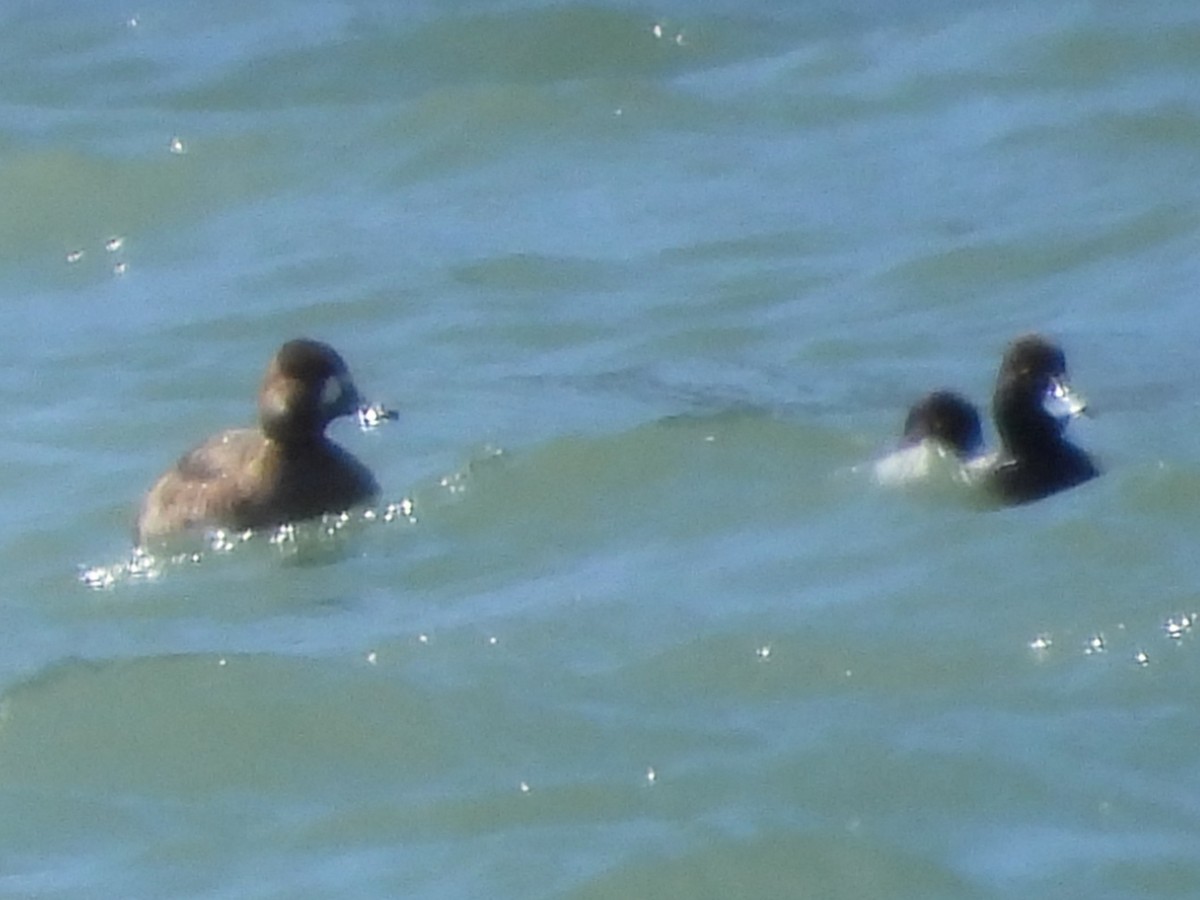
{"type": "Point", "coordinates": [942, 432]}
{"type": "Point", "coordinates": [1031, 406]}
{"type": "Point", "coordinates": [285, 470]}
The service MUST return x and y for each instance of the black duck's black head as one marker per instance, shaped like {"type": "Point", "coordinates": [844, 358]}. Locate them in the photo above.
{"type": "Point", "coordinates": [947, 418]}
{"type": "Point", "coordinates": [1033, 400]}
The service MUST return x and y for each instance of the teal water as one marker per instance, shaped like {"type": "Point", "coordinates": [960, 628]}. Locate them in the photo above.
{"type": "Point", "coordinates": [651, 287]}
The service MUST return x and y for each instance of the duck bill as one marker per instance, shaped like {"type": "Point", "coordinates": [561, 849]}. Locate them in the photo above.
{"type": "Point", "coordinates": [1063, 402]}
{"type": "Point", "coordinates": [373, 415]}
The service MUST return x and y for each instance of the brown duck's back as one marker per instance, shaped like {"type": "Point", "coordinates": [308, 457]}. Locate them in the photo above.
{"type": "Point", "coordinates": [239, 479]}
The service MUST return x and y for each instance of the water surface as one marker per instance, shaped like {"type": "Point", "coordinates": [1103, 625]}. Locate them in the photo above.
{"type": "Point", "coordinates": [651, 288]}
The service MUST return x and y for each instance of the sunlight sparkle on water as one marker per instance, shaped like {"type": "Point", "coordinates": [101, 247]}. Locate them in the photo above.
{"type": "Point", "coordinates": [222, 541]}
{"type": "Point", "coordinates": [140, 565]}
{"type": "Point", "coordinates": [284, 534]}
{"type": "Point", "coordinates": [288, 539]}
{"type": "Point", "coordinates": [393, 511]}
{"type": "Point", "coordinates": [1177, 626]}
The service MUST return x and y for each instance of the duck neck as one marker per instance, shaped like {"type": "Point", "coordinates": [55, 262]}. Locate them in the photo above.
{"type": "Point", "coordinates": [292, 444]}
{"type": "Point", "coordinates": [1027, 430]}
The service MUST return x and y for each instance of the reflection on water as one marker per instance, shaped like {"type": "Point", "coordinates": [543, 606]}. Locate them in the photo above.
{"type": "Point", "coordinates": [301, 542]}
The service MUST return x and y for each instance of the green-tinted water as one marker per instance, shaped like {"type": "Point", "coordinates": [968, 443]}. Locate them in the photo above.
{"type": "Point", "coordinates": [651, 291]}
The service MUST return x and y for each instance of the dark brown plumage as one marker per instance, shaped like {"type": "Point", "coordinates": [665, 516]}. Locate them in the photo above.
{"type": "Point", "coordinates": [285, 470]}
